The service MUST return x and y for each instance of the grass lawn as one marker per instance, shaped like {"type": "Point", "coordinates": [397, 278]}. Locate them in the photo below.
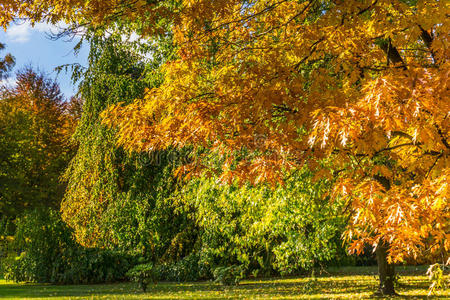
{"type": "Point", "coordinates": [343, 283]}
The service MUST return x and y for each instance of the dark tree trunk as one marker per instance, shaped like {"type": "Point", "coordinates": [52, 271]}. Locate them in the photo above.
{"type": "Point", "coordinates": [386, 272]}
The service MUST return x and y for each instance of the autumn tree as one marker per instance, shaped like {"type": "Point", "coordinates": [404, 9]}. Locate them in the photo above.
{"type": "Point", "coordinates": [74, 109]}
{"type": "Point", "coordinates": [363, 83]}
{"type": "Point", "coordinates": [34, 133]}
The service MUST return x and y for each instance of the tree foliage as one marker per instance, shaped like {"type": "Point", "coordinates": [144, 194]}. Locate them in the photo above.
{"type": "Point", "coordinates": [115, 199]}
{"type": "Point", "coordinates": [362, 82]}
{"type": "Point", "coordinates": [285, 230]}
{"type": "Point", "coordinates": [35, 130]}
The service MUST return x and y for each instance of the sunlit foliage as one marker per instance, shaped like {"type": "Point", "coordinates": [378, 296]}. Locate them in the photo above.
{"type": "Point", "coordinates": [363, 82]}
{"type": "Point", "coordinates": [286, 230]}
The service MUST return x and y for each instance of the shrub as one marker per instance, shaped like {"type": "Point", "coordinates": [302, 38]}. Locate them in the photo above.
{"type": "Point", "coordinates": [40, 240]}
{"type": "Point", "coordinates": [95, 266]}
{"type": "Point", "coordinates": [48, 253]}
{"type": "Point", "coordinates": [436, 275]}
{"type": "Point", "coordinates": [229, 275]}
{"type": "Point", "coordinates": [186, 269]}
{"type": "Point", "coordinates": [143, 274]}
{"type": "Point", "coordinates": [6, 237]}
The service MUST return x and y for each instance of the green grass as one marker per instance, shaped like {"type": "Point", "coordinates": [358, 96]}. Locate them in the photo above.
{"type": "Point", "coordinates": [343, 283]}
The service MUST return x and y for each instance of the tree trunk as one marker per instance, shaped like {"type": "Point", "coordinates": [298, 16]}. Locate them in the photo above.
{"type": "Point", "coordinates": [386, 272]}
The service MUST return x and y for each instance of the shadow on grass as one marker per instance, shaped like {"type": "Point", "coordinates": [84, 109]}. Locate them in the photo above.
{"type": "Point", "coordinates": [20, 291]}
{"type": "Point", "coordinates": [207, 290]}
{"type": "Point", "coordinates": [418, 270]}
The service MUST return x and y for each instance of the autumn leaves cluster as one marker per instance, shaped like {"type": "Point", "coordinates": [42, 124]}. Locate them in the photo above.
{"type": "Point", "coordinates": [357, 87]}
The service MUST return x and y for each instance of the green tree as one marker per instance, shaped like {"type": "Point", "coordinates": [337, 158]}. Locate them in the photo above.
{"type": "Point", "coordinates": [288, 229]}
{"type": "Point", "coordinates": [116, 199]}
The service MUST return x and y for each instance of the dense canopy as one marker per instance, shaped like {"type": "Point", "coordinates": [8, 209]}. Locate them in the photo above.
{"type": "Point", "coordinates": [364, 83]}
{"type": "Point", "coordinates": [356, 89]}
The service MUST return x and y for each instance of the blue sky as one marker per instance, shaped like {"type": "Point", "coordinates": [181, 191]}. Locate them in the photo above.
{"type": "Point", "coordinates": [32, 46]}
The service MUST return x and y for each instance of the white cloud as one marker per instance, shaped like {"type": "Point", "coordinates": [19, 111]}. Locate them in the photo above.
{"type": "Point", "coordinates": [8, 82]}
{"type": "Point", "coordinates": [45, 27]}
{"type": "Point", "coordinates": [20, 33]}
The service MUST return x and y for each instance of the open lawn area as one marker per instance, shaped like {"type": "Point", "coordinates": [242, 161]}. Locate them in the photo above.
{"type": "Point", "coordinates": [342, 283]}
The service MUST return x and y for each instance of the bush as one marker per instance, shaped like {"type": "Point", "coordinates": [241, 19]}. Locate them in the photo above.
{"type": "Point", "coordinates": [48, 253]}
{"type": "Point", "coordinates": [40, 239]}
{"type": "Point", "coordinates": [229, 275]}
{"type": "Point", "coordinates": [186, 269]}
{"type": "Point", "coordinates": [143, 274]}
{"type": "Point", "coordinates": [95, 266]}
{"type": "Point", "coordinates": [6, 237]}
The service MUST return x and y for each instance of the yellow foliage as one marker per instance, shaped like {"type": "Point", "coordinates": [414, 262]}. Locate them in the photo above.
{"type": "Point", "coordinates": [362, 82]}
